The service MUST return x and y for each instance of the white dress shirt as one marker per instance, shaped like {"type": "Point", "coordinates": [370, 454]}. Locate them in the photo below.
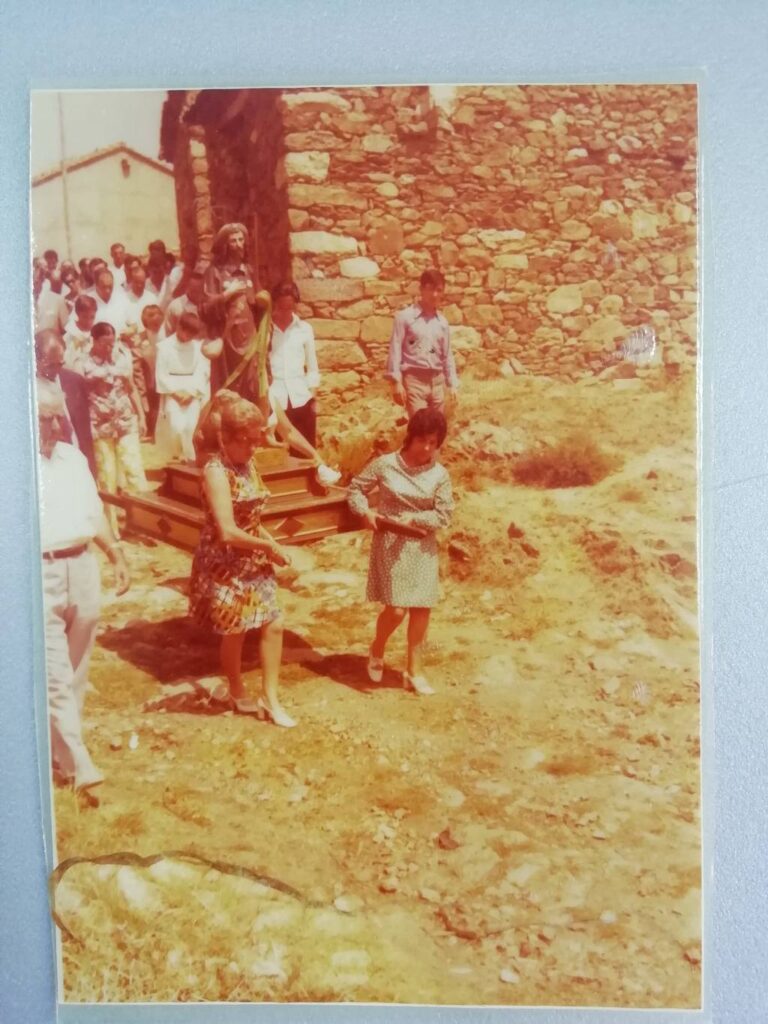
{"type": "Point", "coordinates": [136, 304]}
{"type": "Point", "coordinates": [115, 312]}
{"type": "Point", "coordinates": [160, 296]}
{"type": "Point", "coordinates": [118, 274]}
{"type": "Point", "coordinates": [77, 345]}
{"type": "Point", "coordinates": [181, 366]}
{"type": "Point", "coordinates": [293, 362]}
{"type": "Point", "coordinates": [70, 506]}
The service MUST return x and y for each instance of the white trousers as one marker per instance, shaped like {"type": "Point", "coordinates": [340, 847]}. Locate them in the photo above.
{"type": "Point", "coordinates": [176, 427]}
{"type": "Point", "coordinates": [72, 599]}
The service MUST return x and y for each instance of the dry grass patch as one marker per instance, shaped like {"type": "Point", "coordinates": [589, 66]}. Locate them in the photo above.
{"type": "Point", "coordinates": [576, 461]}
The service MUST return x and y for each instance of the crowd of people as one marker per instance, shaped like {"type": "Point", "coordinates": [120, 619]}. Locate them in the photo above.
{"type": "Point", "coordinates": [209, 368]}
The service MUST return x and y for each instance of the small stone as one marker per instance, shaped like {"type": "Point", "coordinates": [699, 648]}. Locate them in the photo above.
{"type": "Point", "coordinates": [446, 841]}
{"type": "Point", "coordinates": [116, 744]}
{"type": "Point", "coordinates": [509, 977]}
{"type": "Point", "coordinates": [347, 904]}
{"type": "Point", "coordinates": [389, 884]}
{"type": "Point", "coordinates": [133, 742]}
{"type": "Point", "coordinates": [608, 917]}
{"type": "Point", "coordinates": [429, 895]}
{"type": "Point", "coordinates": [599, 835]}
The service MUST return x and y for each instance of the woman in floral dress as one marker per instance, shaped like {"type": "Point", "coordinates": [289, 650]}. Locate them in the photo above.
{"type": "Point", "coordinates": [233, 587]}
{"type": "Point", "coordinates": [415, 500]}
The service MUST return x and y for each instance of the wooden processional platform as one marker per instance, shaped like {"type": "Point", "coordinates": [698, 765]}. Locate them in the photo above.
{"type": "Point", "coordinates": [299, 510]}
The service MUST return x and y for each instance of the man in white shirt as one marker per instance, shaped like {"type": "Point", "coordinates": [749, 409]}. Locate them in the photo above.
{"type": "Point", "coordinates": [158, 283]}
{"type": "Point", "coordinates": [51, 310]}
{"type": "Point", "coordinates": [117, 252]}
{"type": "Point", "coordinates": [71, 519]}
{"type": "Point", "coordinates": [111, 302]}
{"type": "Point", "coordinates": [137, 298]}
{"type": "Point", "coordinates": [187, 303]}
{"type": "Point", "coordinates": [293, 362]}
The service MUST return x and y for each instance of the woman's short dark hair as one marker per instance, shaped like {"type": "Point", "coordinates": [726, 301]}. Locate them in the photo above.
{"type": "Point", "coordinates": [101, 329]}
{"type": "Point", "coordinates": [425, 422]}
{"type": "Point", "coordinates": [285, 288]}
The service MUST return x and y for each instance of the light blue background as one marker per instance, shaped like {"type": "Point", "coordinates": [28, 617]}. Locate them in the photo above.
{"type": "Point", "coordinates": [724, 46]}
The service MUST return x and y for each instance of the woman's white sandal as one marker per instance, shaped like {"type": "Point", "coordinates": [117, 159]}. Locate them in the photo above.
{"type": "Point", "coordinates": [280, 717]}
{"type": "Point", "coordinates": [375, 668]}
{"type": "Point", "coordinates": [418, 684]}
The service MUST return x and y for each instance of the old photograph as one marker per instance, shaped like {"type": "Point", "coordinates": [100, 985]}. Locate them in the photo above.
{"type": "Point", "coordinates": [367, 469]}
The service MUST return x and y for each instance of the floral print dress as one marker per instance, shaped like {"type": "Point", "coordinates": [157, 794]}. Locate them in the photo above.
{"type": "Point", "coordinates": [233, 590]}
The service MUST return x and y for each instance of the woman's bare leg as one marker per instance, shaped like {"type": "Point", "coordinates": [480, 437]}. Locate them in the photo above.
{"type": "Point", "coordinates": [271, 656]}
{"type": "Point", "coordinates": [418, 623]}
{"type": "Point", "coordinates": [386, 624]}
{"type": "Point", "coordinates": [231, 656]}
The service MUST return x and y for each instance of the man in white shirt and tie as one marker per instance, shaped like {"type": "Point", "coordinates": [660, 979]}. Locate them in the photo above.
{"type": "Point", "coordinates": [71, 520]}
{"type": "Point", "coordinates": [293, 362]}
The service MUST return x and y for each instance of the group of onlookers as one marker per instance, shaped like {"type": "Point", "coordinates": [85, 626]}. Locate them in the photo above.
{"type": "Point", "coordinates": [210, 368]}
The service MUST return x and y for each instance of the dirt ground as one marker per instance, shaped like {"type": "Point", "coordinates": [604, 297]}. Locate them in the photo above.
{"type": "Point", "coordinates": [528, 835]}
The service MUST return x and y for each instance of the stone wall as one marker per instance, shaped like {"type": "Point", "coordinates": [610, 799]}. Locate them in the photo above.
{"type": "Point", "coordinates": [562, 217]}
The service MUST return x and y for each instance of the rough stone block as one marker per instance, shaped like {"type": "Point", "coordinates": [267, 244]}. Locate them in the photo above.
{"type": "Point", "coordinates": [298, 141]}
{"type": "Point", "coordinates": [511, 261]}
{"type": "Point", "coordinates": [376, 328]}
{"type": "Point", "coordinates": [681, 213]}
{"type": "Point", "coordinates": [316, 101]}
{"type": "Point", "coordinates": [305, 196]}
{"type": "Point", "coordinates": [387, 238]}
{"type": "Point", "coordinates": [575, 230]}
{"type": "Point", "coordinates": [611, 305]}
{"type": "Point", "coordinates": [321, 242]}
{"type": "Point", "coordinates": [341, 381]}
{"type": "Point", "coordinates": [377, 143]}
{"type": "Point", "coordinates": [388, 189]}
{"type": "Point", "coordinates": [644, 224]}
{"type": "Point", "coordinates": [309, 165]}
{"type": "Point", "coordinates": [603, 332]}
{"type": "Point", "coordinates": [332, 289]}
{"type": "Point", "coordinates": [455, 223]}
{"type": "Point", "coordinates": [565, 299]}
{"type": "Point", "coordinates": [356, 310]}
{"type": "Point", "coordinates": [466, 338]}
{"type": "Point", "coordinates": [359, 266]}
{"type": "Point", "coordinates": [334, 354]}
{"type": "Point", "coordinates": [486, 316]}
{"type": "Point", "coordinates": [338, 330]}
{"type": "Point", "coordinates": [453, 313]}
{"type": "Point", "coordinates": [298, 220]}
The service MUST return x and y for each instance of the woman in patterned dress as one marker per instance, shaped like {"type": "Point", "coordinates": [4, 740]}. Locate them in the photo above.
{"type": "Point", "coordinates": [233, 587]}
{"type": "Point", "coordinates": [415, 494]}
